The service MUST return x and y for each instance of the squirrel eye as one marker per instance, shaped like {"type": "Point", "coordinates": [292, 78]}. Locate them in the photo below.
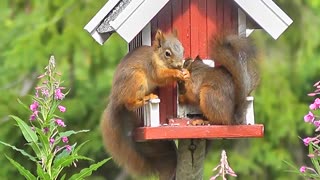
{"type": "Point", "coordinates": [168, 53]}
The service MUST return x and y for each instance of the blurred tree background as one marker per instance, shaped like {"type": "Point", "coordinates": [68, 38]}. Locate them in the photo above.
{"type": "Point", "coordinates": [32, 30]}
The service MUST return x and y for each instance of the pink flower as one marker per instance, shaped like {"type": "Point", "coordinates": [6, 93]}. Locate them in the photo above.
{"type": "Point", "coordinates": [41, 76]}
{"type": "Point", "coordinates": [58, 94]}
{"type": "Point", "coordinates": [317, 101]}
{"type": "Point", "coordinates": [59, 122]}
{"type": "Point", "coordinates": [303, 169]}
{"type": "Point", "coordinates": [313, 106]}
{"type": "Point", "coordinates": [311, 155]}
{"type": "Point", "coordinates": [65, 139]}
{"type": "Point", "coordinates": [317, 83]}
{"type": "Point", "coordinates": [307, 141]}
{"type": "Point", "coordinates": [46, 130]}
{"type": "Point", "coordinates": [33, 116]}
{"type": "Point", "coordinates": [312, 94]}
{"type": "Point", "coordinates": [51, 140]}
{"type": "Point", "coordinates": [45, 92]}
{"type": "Point", "coordinates": [68, 148]}
{"type": "Point", "coordinates": [316, 123]}
{"type": "Point", "coordinates": [37, 93]}
{"type": "Point", "coordinates": [34, 106]}
{"type": "Point", "coordinates": [62, 108]}
{"type": "Point", "coordinates": [309, 117]}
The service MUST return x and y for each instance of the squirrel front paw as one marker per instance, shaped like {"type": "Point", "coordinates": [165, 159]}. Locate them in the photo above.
{"type": "Point", "coordinates": [153, 96]}
{"type": "Point", "coordinates": [183, 74]}
{"type": "Point", "coordinates": [186, 74]}
{"type": "Point", "coordinates": [150, 96]}
{"type": "Point", "coordinates": [199, 122]}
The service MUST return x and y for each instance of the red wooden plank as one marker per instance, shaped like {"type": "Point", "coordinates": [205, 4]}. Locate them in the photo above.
{"type": "Point", "coordinates": [177, 22]}
{"type": "Point", "coordinates": [163, 93]}
{"type": "Point", "coordinates": [198, 132]}
{"type": "Point", "coordinates": [219, 20]}
{"type": "Point", "coordinates": [175, 100]}
{"type": "Point", "coordinates": [227, 15]}
{"type": "Point", "coordinates": [186, 28]}
{"type": "Point", "coordinates": [154, 27]}
{"type": "Point", "coordinates": [203, 38]}
{"type": "Point", "coordinates": [234, 15]}
{"type": "Point", "coordinates": [194, 19]}
{"type": "Point", "coordinates": [164, 18]}
{"type": "Point", "coordinates": [167, 107]}
{"type": "Point", "coordinates": [211, 21]}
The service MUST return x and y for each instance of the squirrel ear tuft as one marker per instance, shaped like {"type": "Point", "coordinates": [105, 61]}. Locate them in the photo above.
{"type": "Point", "coordinates": [159, 38]}
{"type": "Point", "coordinates": [198, 58]}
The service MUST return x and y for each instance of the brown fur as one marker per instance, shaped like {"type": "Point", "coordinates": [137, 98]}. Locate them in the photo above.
{"type": "Point", "coordinates": [221, 91]}
{"type": "Point", "coordinates": [136, 77]}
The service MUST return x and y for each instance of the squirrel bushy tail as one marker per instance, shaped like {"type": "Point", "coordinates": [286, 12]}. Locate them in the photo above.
{"type": "Point", "coordinates": [117, 138]}
{"type": "Point", "coordinates": [238, 56]}
{"type": "Point", "coordinates": [138, 158]}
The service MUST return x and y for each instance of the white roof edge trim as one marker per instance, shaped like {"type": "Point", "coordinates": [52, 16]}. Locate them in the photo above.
{"type": "Point", "coordinates": [134, 23]}
{"type": "Point", "coordinates": [281, 14]}
{"type": "Point", "coordinates": [126, 13]}
{"type": "Point", "coordinates": [97, 37]}
{"type": "Point", "coordinates": [267, 14]}
{"type": "Point", "coordinates": [102, 13]}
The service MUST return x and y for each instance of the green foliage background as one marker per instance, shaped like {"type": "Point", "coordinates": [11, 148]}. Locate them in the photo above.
{"type": "Point", "coordinates": [32, 30]}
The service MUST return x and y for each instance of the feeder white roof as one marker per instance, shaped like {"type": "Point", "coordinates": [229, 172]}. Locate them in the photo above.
{"type": "Point", "coordinates": [129, 17]}
{"type": "Point", "coordinates": [126, 17]}
{"type": "Point", "coordinates": [267, 14]}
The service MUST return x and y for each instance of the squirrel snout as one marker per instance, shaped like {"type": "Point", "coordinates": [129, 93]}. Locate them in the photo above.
{"type": "Point", "coordinates": [179, 65]}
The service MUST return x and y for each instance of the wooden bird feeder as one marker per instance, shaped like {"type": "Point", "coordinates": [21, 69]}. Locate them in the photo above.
{"type": "Point", "coordinates": [136, 21]}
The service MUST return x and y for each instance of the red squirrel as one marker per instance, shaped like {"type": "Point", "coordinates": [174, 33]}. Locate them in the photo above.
{"type": "Point", "coordinates": [135, 78]}
{"type": "Point", "coordinates": [221, 91]}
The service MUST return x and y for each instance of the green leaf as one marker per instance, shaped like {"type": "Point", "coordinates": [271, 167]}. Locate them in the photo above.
{"type": "Point", "coordinates": [63, 154]}
{"type": "Point", "coordinates": [20, 150]}
{"type": "Point", "coordinates": [41, 173]}
{"type": "Point", "coordinates": [28, 134]}
{"type": "Point", "coordinates": [53, 108]}
{"type": "Point", "coordinates": [26, 173]}
{"type": "Point", "coordinates": [88, 171]}
{"type": "Point", "coordinates": [25, 106]}
{"type": "Point", "coordinates": [36, 149]}
{"type": "Point", "coordinates": [69, 133]}
{"type": "Point", "coordinates": [63, 177]}
{"type": "Point", "coordinates": [314, 161]}
{"type": "Point", "coordinates": [55, 172]}
{"type": "Point", "coordinates": [43, 139]}
{"type": "Point", "coordinates": [79, 147]}
{"type": "Point", "coordinates": [67, 160]}
{"type": "Point", "coordinates": [291, 165]}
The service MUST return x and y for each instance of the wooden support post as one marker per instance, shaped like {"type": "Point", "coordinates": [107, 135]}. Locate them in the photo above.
{"type": "Point", "coordinates": [191, 155]}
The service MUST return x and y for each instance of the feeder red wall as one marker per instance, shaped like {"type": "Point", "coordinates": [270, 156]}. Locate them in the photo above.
{"type": "Point", "coordinates": [196, 21]}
